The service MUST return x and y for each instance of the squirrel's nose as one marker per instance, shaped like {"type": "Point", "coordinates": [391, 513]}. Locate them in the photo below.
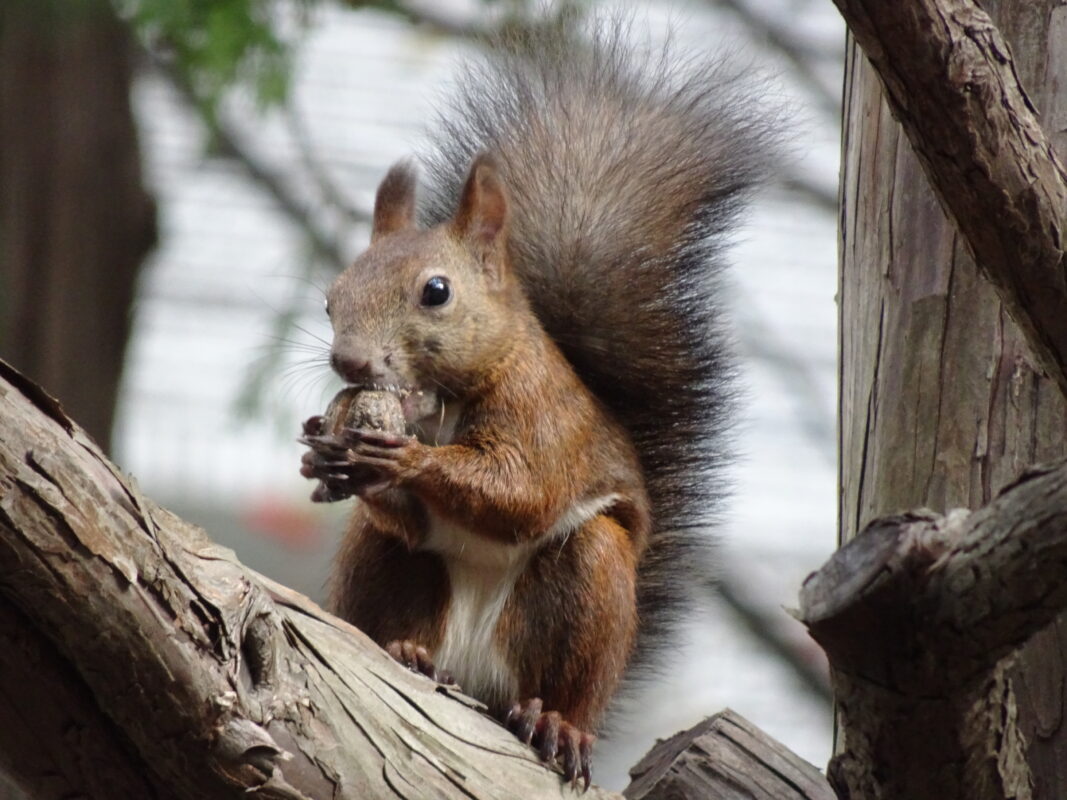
{"type": "Point", "coordinates": [353, 369]}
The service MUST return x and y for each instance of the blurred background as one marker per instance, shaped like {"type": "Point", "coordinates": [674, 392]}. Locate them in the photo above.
{"type": "Point", "coordinates": [180, 180]}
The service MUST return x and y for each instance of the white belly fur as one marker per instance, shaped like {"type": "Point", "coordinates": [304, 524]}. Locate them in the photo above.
{"type": "Point", "coordinates": [482, 574]}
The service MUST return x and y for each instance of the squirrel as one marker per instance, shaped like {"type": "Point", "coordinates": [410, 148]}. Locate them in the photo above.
{"type": "Point", "coordinates": [549, 312]}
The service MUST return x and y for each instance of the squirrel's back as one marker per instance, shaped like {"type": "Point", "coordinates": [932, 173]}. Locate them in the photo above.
{"type": "Point", "coordinates": [624, 171]}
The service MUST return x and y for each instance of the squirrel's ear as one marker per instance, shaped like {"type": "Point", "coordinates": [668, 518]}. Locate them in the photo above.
{"type": "Point", "coordinates": [482, 216]}
{"type": "Point", "coordinates": [394, 205]}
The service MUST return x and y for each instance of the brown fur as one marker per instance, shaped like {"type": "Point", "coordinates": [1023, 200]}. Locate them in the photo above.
{"type": "Point", "coordinates": [388, 591]}
{"type": "Point", "coordinates": [571, 622]}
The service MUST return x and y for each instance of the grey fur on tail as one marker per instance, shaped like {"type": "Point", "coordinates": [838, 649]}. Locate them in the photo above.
{"type": "Point", "coordinates": [625, 171]}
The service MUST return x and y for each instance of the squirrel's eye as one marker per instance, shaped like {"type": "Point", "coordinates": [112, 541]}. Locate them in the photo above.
{"type": "Point", "coordinates": [326, 305]}
{"type": "Point", "coordinates": [436, 292]}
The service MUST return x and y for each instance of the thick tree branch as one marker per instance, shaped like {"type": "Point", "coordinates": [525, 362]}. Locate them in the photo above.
{"type": "Point", "coordinates": [919, 616]}
{"type": "Point", "coordinates": [950, 81]}
{"type": "Point", "coordinates": [220, 681]}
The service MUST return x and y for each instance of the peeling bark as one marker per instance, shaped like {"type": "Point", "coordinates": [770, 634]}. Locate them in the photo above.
{"type": "Point", "coordinates": [725, 757]}
{"type": "Point", "coordinates": [54, 740]}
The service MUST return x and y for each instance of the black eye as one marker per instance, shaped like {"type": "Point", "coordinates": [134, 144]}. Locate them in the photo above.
{"type": "Point", "coordinates": [326, 304]}
{"type": "Point", "coordinates": [436, 292]}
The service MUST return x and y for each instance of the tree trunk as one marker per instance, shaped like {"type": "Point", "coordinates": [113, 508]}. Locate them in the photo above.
{"type": "Point", "coordinates": [75, 220]}
{"type": "Point", "coordinates": [941, 404]}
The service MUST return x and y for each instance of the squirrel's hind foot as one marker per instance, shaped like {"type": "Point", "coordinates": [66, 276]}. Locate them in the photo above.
{"type": "Point", "coordinates": [553, 737]}
{"type": "Point", "coordinates": [417, 658]}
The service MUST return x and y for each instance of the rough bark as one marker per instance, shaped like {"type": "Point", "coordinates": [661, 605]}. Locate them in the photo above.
{"type": "Point", "coordinates": [920, 616]}
{"type": "Point", "coordinates": [75, 220]}
{"type": "Point", "coordinates": [725, 757]}
{"type": "Point", "coordinates": [218, 680]}
{"type": "Point", "coordinates": [940, 401]}
{"type": "Point", "coordinates": [951, 83]}
{"type": "Point", "coordinates": [54, 740]}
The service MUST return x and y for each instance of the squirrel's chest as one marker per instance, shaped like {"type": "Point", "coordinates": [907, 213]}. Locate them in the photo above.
{"type": "Point", "coordinates": [482, 575]}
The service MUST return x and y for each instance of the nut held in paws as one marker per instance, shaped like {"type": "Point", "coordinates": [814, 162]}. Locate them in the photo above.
{"type": "Point", "coordinates": [354, 407]}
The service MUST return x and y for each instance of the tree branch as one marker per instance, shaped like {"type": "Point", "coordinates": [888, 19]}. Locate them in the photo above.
{"type": "Point", "coordinates": [54, 740]}
{"type": "Point", "coordinates": [920, 615]}
{"type": "Point", "coordinates": [221, 681]}
{"type": "Point", "coordinates": [776, 631]}
{"type": "Point", "coordinates": [227, 143]}
{"type": "Point", "coordinates": [950, 81]}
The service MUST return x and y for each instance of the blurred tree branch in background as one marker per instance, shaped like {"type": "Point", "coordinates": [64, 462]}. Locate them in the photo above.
{"type": "Point", "coordinates": [800, 56]}
{"type": "Point", "coordinates": [802, 59]}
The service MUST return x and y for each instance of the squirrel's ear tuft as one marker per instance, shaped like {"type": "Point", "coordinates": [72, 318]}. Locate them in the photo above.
{"type": "Point", "coordinates": [394, 205]}
{"type": "Point", "coordinates": [482, 216]}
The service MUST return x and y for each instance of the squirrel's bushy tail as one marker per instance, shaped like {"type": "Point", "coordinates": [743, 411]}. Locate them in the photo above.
{"type": "Point", "coordinates": [625, 171]}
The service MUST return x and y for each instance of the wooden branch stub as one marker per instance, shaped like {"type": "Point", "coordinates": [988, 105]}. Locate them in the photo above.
{"type": "Point", "coordinates": [950, 81]}
{"type": "Point", "coordinates": [919, 616]}
{"type": "Point", "coordinates": [967, 588]}
{"type": "Point", "coordinates": [725, 757]}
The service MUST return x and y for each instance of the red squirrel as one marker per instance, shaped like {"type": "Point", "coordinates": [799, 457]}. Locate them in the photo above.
{"type": "Point", "coordinates": [547, 307]}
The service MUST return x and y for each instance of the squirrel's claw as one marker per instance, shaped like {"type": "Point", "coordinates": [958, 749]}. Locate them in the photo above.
{"type": "Point", "coordinates": [353, 462]}
{"type": "Point", "coordinates": [314, 426]}
{"type": "Point", "coordinates": [553, 737]}
{"type": "Point", "coordinates": [375, 438]}
{"type": "Point", "coordinates": [523, 721]}
{"type": "Point", "coordinates": [417, 658]}
{"type": "Point", "coordinates": [577, 754]}
{"type": "Point", "coordinates": [547, 730]}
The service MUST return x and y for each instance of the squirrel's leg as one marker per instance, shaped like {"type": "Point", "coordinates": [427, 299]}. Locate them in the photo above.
{"type": "Point", "coordinates": [385, 589]}
{"type": "Point", "coordinates": [412, 584]}
{"type": "Point", "coordinates": [570, 626]}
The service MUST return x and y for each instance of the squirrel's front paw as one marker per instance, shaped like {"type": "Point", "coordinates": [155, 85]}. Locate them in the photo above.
{"type": "Point", "coordinates": [386, 458]}
{"type": "Point", "coordinates": [355, 461]}
{"type": "Point", "coordinates": [553, 737]}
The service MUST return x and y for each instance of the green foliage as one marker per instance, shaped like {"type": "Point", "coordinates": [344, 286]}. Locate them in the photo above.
{"type": "Point", "coordinates": [215, 44]}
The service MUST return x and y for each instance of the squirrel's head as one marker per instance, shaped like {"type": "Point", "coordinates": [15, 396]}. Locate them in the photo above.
{"type": "Point", "coordinates": [426, 309]}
